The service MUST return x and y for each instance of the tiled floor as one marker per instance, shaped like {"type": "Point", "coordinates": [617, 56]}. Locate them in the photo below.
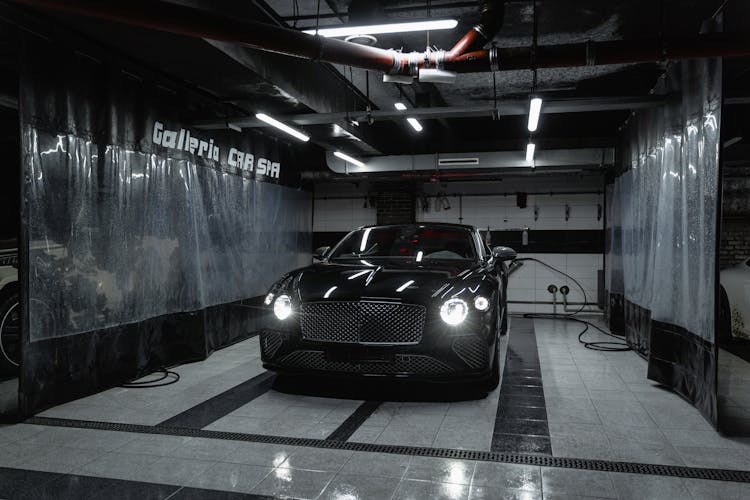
{"type": "Point", "coordinates": [598, 405]}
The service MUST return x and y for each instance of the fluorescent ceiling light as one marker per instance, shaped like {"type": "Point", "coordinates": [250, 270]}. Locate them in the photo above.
{"type": "Point", "coordinates": [419, 256]}
{"type": "Point", "coordinates": [400, 106]}
{"type": "Point", "coordinates": [535, 107]}
{"type": "Point", "coordinates": [380, 29]}
{"type": "Point", "coordinates": [357, 275]}
{"type": "Point", "coordinates": [415, 124]}
{"type": "Point", "coordinates": [286, 128]}
{"type": "Point", "coordinates": [530, 148]}
{"type": "Point", "coordinates": [349, 159]}
{"type": "Point", "coordinates": [329, 292]}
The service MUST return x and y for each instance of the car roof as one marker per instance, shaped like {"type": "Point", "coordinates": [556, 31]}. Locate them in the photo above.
{"type": "Point", "coordinates": [423, 224]}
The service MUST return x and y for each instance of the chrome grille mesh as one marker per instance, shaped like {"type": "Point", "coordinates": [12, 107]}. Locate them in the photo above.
{"type": "Point", "coordinates": [402, 363]}
{"type": "Point", "coordinates": [270, 343]}
{"type": "Point", "coordinates": [362, 322]}
{"type": "Point", "coordinates": [472, 350]}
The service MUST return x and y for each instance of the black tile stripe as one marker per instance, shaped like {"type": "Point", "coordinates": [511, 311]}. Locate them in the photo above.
{"type": "Point", "coordinates": [521, 419]}
{"type": "Point", "coordinates": [738, 476]}
{"type": "Point", "coordinates": [355, 420]}
{"type": "Point", "coordinates": [213, 409]}
{"type": "Point", "coordinates": [29, 484]}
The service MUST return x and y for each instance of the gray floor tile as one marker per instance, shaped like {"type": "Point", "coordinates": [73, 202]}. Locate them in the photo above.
{"type": "Point", "coordinates": [643, 487]}
{"type": "Point", "coordinates": [296, 483]}
{"type": "Point", "coordinates": [441, 470]}
{"type": "Point", "coordinates": [318, 459]}
{"type": "Point", "coordinates": [117, 465]}
{"type": "Point", "coordinates": [266, 455]}
{"type": "Point", "coordinates": [231, 477]}
{"type": "Point", "coordinates": [410, 489]}
{"type": "Point", "coordinates": [205, 449]}
{"type": "Point", "coordinates": [720, 458]}
{"type": "Point", "coordinates": [494, 493]}
{"type": "Point", "coordinates": [359, 487]}
{"type": "Point", "coordinates": [366, 434]}
{"type": "Point", "coordinates": [377, 464]}
{"type": "Point", "coordinates": [172, 470]}
{"type": "Point", "coordinates": [59, 459]}
{"type": "Point", "coordinates": [576, 482]}
{"type": "Point", "coordinates": [153, 445]}
{"type": "Point", "coordinates": [508, 476]}
{"type": "Point", "coordinates": [716, 490]}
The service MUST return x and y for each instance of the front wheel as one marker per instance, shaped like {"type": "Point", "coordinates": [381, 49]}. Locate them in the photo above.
{"type": "Point", "coordinates": [10, 334]}
{"type": "Point", "coordinates": [494, 379]}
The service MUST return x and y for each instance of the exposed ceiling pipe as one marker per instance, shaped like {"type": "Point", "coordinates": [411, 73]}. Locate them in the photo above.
{"type": "Point", "coordinates": [461, 59]}
{"type": "Point", "coordinates": [441, 162]}
{"type": "Point", "coordinates": [506, 107]}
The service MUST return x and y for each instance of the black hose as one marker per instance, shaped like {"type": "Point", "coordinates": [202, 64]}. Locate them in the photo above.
{"type": "Point", "coordinates": [148, 384]}
{"type": "Point", "coordinates": [606, 346]}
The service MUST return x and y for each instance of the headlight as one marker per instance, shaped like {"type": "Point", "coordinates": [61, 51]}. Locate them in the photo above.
{"type": "Point", "coordinates": [481, 303]}
{"type": "Point", "coordinates": [454, 311]}
{"type": "Point", "coordinates": [269, 298]}
{"type": "Point", "coordinates": [282, 306]}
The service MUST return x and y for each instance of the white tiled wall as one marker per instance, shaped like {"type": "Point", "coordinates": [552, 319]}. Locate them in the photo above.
{"type": "Point", "coordinates": [501, 212]}
{"type": "Point", "coordinates": [341, 214]}
{"type": "Point", "coordinates": [529, 283]}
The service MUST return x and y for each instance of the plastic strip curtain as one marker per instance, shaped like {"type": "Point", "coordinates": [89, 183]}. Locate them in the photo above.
{"type": "Point", "coordinates": [662, 229]}
{"type": "Point", "coordinates": [118, 236]}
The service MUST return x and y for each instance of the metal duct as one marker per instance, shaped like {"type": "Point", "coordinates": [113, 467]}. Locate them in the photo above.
{"type": "Point", "coordinates": [584, 157]}
{"type": "Point", "coordinates": [463, 58]}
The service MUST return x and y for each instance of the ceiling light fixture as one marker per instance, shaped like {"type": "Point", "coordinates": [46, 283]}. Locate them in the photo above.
{"type": "Point", "coordinates": [530, 148]}
{"type": "Point", "coordinates": [380, 29]}
{"type": "Point", "coordinates": [400, 106]}
{"type": "Point", "coordinates": [349, 159]}
{"type": "Point", "coordinates": [281, 126]}
{"type": "Point", "coordinates": [535, 108]}
{"type": "Point", "coordinates": [415, 124]}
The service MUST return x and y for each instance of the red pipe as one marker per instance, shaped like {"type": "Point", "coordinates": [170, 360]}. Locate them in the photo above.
{"type": "Point", "coordinates": [189, 22]}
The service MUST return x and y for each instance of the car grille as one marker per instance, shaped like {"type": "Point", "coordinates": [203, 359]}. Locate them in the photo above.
{"type": "Point", "coordinates": [270, 343]}
{"type": "Point", "coordinates": [362, 322]}
{"type": "Point", "coordinates": [472, 350]}
{"type": "Point", "coordinates": [402, 364]}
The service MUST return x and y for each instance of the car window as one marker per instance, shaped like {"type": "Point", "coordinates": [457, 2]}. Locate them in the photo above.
{"type": "Point", "coordinates": [407, 242]}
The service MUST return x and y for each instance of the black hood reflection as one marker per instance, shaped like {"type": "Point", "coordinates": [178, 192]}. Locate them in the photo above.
{"type": "Point", "coordinates": [404, 279]}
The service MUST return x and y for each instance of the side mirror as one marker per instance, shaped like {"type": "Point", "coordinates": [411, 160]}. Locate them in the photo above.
{"type": "Point", "coordinates": [503, 254]}
{"type": "Point", "coordinates": [320, 252]}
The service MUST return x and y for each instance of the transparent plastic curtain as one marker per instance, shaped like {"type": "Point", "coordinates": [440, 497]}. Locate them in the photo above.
{"type": "Point", "coordinates": [118, 236]}
{"type": "Point", "coordinates": [662, 221]}
{"type": "Point", "coordinates": [666, 202]}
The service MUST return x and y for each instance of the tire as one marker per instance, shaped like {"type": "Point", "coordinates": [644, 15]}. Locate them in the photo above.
{"type": "Point", "coordinates": [10, 334]}
{"type": "Point", "coordinates": [724, 335]}
{"type": "Point", "coordinates": [494, 379]}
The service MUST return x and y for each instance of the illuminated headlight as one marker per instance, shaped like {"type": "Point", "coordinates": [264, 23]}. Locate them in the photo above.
{"type": "Point", "coordinates": [269, 298]}
{"type": "Point", "coordinates": [481, 303]}
{"type": "Point", "coordinates": [282, 306]}
{"type": "Point", "coordinates": [454, 311]}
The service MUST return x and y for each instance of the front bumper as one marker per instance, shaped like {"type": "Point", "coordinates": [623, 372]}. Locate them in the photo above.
{"type": "Point", "coordinates": [436, 357]}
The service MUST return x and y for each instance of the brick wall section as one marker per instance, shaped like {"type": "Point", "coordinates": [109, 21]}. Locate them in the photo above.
{"type": "Point", "coordinates": [395, 207]}
{"type": "Point", "coordinates": [735, 224]}
{"type": "Point", "coordinates": [735, 242]}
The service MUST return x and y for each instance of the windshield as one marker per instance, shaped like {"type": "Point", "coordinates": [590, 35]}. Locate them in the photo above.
{"type": "Point", "coordinates": [407, 242]}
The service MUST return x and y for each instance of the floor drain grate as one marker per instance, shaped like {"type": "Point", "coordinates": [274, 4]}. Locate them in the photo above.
{"type": "Point", "coordinates": [739, 476]}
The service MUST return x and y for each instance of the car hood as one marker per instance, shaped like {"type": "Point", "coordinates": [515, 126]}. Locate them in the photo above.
{"type": "Point", "coordinates": [409, 281]}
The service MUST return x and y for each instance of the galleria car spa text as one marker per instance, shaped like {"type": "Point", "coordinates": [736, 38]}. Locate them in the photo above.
{"type": "Point", "coordinates": [243, 161]}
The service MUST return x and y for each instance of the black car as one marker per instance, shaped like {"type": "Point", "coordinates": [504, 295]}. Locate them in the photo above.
{"type": "Point", "coordinates": [423, 301]}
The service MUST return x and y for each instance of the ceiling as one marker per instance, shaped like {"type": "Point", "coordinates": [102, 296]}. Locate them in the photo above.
{"type": "Point", "coordinates": [245, 80]}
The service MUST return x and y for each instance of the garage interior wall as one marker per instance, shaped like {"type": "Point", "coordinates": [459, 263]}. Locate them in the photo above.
{"type": "Point", "coordinates": [138, 253]}
{"type": "Point", "coordinates": [565, 228]}
{"type": "Point", "coordinates": [662, 233]}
